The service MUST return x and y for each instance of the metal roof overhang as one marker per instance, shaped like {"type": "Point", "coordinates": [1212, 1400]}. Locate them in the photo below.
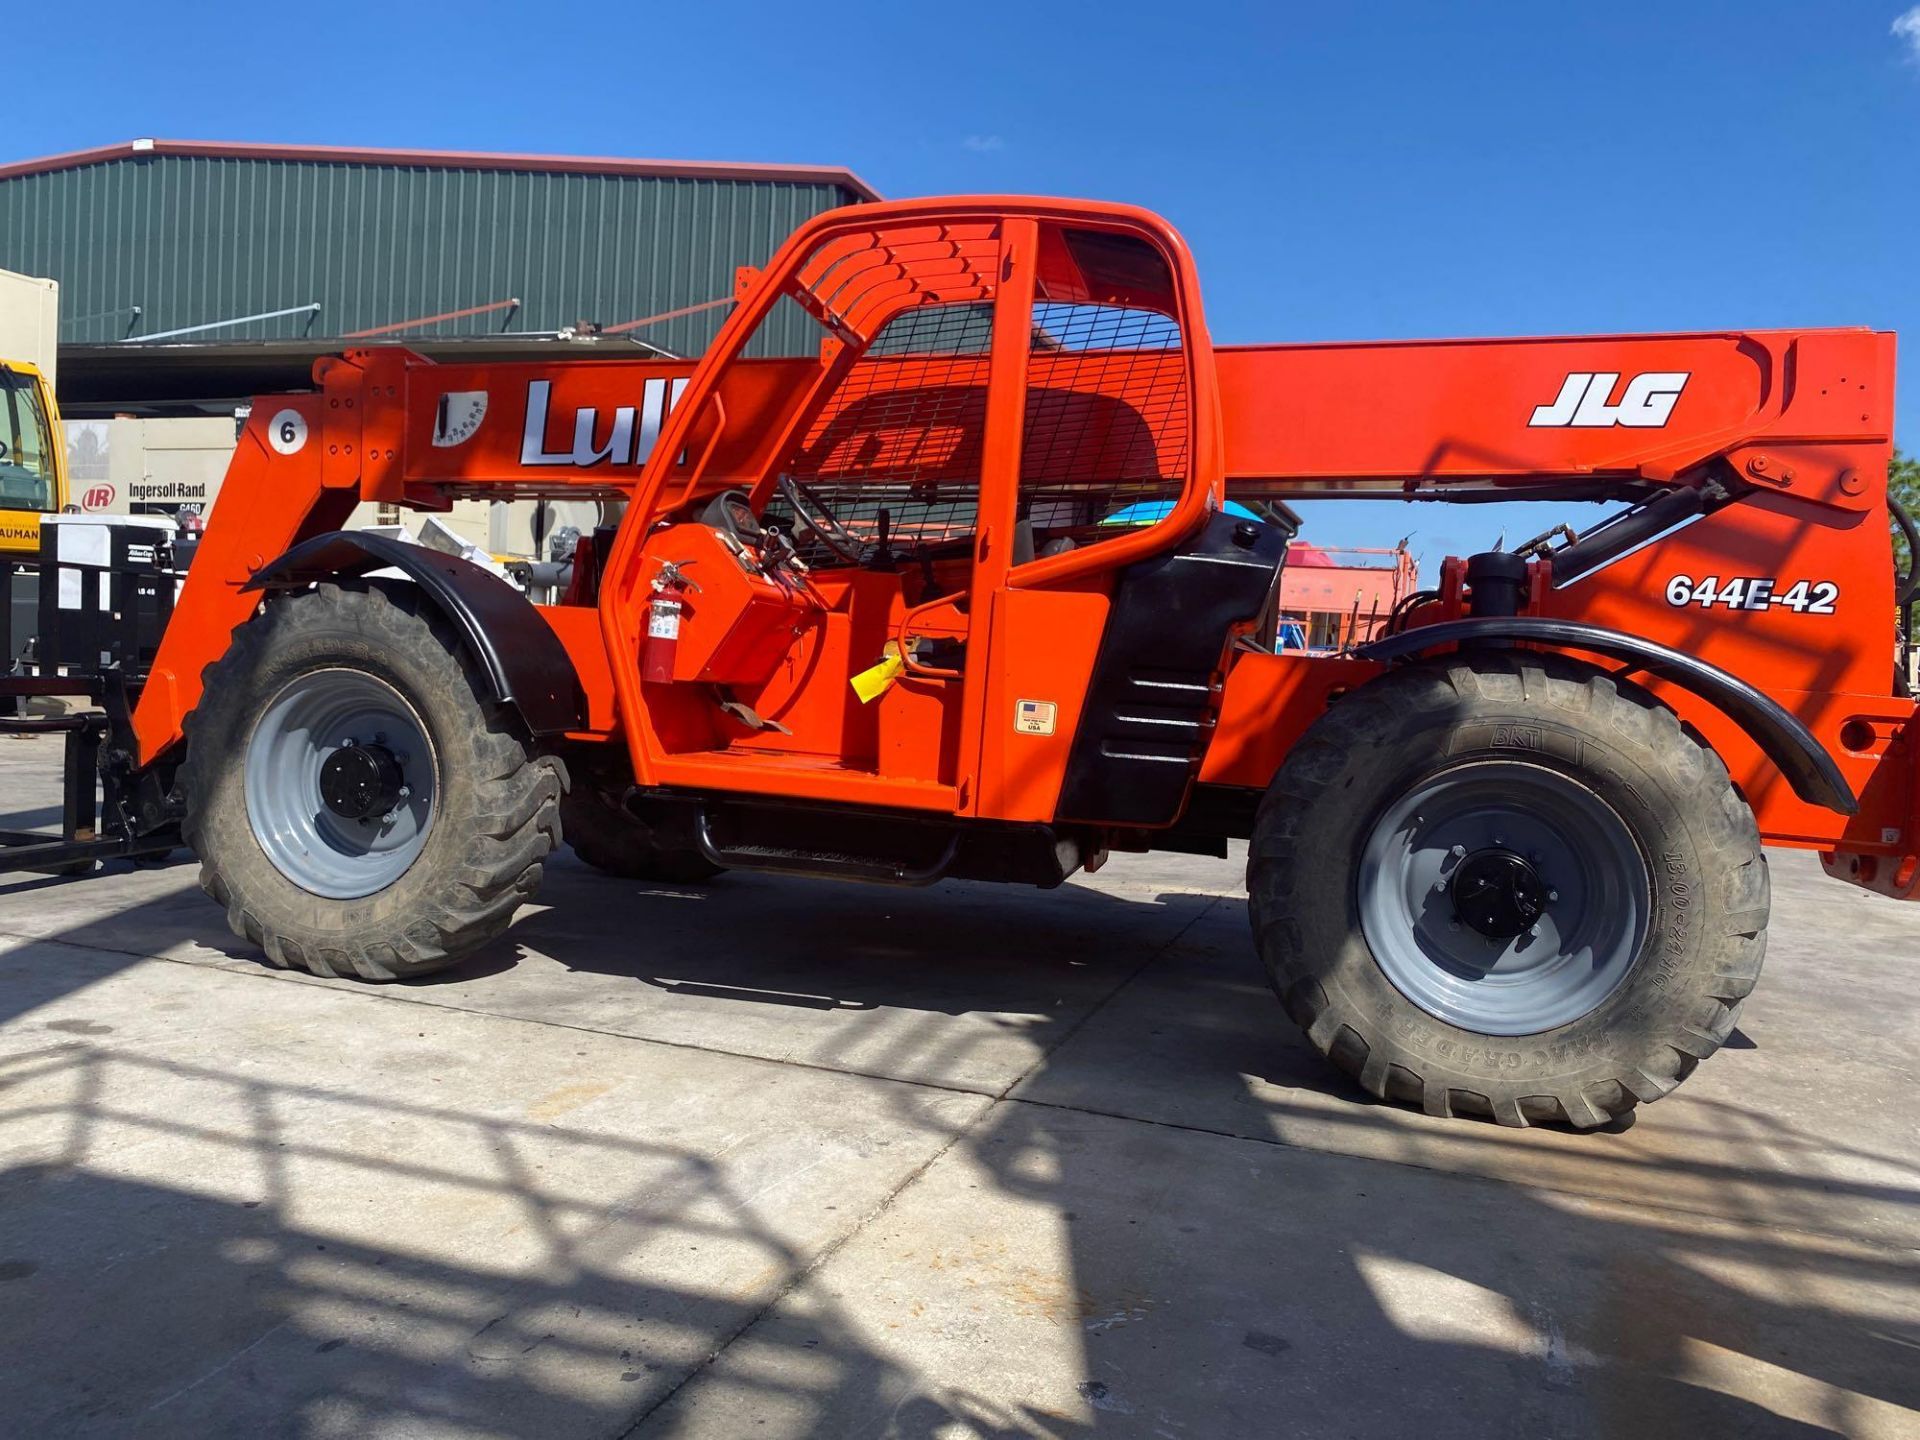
{"type": "Point", "coordinates": [119, 379]}
{"type": "Point", "coordinates": [446, 160]}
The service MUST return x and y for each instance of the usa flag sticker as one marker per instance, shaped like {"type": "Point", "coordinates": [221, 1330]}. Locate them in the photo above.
{"type": "Point", "coordinates": [1034, 717]}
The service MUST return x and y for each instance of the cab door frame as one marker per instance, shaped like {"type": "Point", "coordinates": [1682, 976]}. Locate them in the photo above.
{"type": "Point", "coordinates": [1011, 290]}
{"type": "Point", "coordinates": [999, 488]}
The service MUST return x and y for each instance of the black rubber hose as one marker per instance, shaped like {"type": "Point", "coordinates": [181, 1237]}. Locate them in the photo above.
{"type": "Point", "coordinates": [1908, 584]}
{"type": "Point", "coordinates": [1397, 616]}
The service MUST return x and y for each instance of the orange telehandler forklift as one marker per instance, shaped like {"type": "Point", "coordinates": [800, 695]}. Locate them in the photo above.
{"type": "Point", "coordinates": [955, 594]}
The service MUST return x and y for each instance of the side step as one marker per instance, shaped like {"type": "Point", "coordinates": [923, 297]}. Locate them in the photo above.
{"type": "Point", "coordinates": [841, 842]}
{"type": "Point", "coordinates": [824, 864]}
{"type": "Point", "coordinates": [106, 809]}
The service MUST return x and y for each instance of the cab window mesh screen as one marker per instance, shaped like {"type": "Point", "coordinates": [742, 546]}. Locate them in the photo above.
{"type": "Point", "coordinates": [1104, 447]}
{"type": "Point", "coordinates": [1104, 439]}
{"type": "Point", "coordinates": [902, 435]}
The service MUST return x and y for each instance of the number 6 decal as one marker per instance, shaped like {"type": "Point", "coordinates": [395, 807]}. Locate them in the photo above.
{"type": "Point", "coordinates": [287, 431]}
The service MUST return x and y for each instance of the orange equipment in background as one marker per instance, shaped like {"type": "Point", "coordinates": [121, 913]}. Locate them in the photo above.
{"type": "Point", "coordinates": [1333, 597]}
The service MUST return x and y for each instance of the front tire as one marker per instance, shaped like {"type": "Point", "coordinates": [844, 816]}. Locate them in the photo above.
{"type": "Point", "coordinates": [359, 804]}
{"type": "Point", "coordinates": [1503, 884]}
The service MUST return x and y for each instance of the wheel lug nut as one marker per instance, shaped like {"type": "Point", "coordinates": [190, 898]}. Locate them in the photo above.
{"type": "Point", "coordinates": [1439, 887]}
{"type": "Point", "coordinates": [405, 791]}
{"type": "Point", "coordinates": [1458, 852]}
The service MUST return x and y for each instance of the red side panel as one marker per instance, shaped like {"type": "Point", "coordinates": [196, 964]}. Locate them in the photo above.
{"type": "Point", "coordinates": [275, 495]}
{"type": "Point", "coordinates": [1332, 419]}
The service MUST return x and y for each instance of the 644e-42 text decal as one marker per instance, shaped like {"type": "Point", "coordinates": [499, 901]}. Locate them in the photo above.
{"type": "Point", "coordinates": [1754, 592]}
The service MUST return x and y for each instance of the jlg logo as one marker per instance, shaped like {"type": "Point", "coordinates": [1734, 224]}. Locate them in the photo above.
{"type": "Point", "coordinates": [1646, 404]}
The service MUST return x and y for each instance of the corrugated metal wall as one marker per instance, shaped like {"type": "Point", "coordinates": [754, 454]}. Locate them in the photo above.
{"type": "Point", "coordinates": [193, 240]}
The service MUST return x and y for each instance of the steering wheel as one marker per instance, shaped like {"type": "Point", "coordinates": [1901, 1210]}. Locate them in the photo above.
{"type": "Point", "coordinates": [811, 511]}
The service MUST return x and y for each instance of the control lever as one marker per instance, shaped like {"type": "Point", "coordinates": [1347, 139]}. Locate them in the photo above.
{"type": "Point", "coordinates": [882, 557]}
{"type": "Point", "coordinates": [778, 552]}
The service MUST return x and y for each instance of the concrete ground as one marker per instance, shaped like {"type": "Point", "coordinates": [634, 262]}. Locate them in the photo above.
{"type": "Point", "coordinates": [774, 1158]}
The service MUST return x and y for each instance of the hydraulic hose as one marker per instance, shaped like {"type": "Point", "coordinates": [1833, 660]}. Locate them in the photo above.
{"type": "Point", "coordinates": [1405, 606]}
{"type": "Point", "coordinates": [1908, 585]}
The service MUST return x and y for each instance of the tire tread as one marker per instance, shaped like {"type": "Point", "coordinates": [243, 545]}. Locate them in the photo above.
{"type": "Point", "coordinates": [1284, 874]}
{"type": "Point", "coordinates": [517, 805]}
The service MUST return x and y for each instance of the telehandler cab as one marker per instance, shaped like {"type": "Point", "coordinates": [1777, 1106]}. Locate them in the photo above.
{"type": "Point", "coordinates": [955, 595]}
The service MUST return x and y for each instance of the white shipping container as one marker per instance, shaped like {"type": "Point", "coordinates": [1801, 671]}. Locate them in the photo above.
{"type": "Point", "coordinates": [133, 466]}
{"type": "Point", "coordinates": [30, 321]}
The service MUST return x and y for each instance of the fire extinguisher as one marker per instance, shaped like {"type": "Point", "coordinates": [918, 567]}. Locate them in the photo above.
{"type": "Point", "coordinates": [664, 612]}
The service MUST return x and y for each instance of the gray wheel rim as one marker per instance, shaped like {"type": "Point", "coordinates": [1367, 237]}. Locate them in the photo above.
{"type": "Point", "coordinates": [1595, 885]}
{"type": "Point", "coordinates": [321, 852]}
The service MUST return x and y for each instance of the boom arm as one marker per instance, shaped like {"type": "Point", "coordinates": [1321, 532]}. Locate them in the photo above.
{"type": "Point", "coordinates": [1794, 411]}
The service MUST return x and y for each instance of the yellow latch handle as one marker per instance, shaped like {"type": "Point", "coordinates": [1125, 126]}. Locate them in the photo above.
{"type": "Point", "coordinates": [872, 683]}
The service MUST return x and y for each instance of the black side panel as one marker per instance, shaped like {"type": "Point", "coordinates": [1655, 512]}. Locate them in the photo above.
{"type": "Point", "coordinates": [527, 666]}
{"type": "Point", "coordinates": [1149, 713]}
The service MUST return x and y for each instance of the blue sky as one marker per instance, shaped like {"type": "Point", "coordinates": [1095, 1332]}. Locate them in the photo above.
{"type": "Point", "coordinates": [1342, 171]}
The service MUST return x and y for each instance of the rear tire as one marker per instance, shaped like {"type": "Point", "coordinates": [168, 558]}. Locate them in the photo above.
{"type": "Point", "coordinates": [613, 842]}
{"type": "Point", "coordinates": [378, 896]}
{"type": "Point", "coordinates": [1374, 932]}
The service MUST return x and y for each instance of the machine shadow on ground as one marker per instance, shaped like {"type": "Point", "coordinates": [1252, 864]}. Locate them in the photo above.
{"type": "Point", "coordinates": [957, 947]}
{"type": "Point", "coordinates": [1191, 1276]}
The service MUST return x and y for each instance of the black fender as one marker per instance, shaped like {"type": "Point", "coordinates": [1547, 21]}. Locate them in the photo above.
{"type": "Point", "coordinates": [1786, 742]}
{"type": "Point", "coordinates": [525, 664]}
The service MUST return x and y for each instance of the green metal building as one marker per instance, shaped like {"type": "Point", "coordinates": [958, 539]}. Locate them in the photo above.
{"type": "Point", "coordinates": [190, 271]}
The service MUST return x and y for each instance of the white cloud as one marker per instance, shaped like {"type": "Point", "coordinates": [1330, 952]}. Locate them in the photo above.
{"type": "Point", "coordinates": [1907, 29]}
{"type": "Point", "coordinates": [994, 142]}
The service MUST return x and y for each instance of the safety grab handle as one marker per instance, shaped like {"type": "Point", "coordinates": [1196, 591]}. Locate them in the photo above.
{"type": "Point", "coordinates": [901, 639]}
